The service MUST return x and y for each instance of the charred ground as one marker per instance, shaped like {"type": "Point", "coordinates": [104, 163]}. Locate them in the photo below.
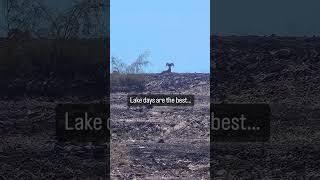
{"type": "Point", "coordinates": [285, 73]}
{"type": "Point", "coordinates": [36, 75]}
{"type": "Point", "coordinates": [161, 142]}
{"type": "Point", "coordinates": [173, 142]}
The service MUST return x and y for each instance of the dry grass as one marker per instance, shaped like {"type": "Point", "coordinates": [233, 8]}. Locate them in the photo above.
{"type": "Point", "coordinates": [127, 82]}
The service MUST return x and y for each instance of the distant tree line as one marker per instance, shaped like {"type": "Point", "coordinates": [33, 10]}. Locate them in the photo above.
{"type": "Point", "coordinates": [83, 19]}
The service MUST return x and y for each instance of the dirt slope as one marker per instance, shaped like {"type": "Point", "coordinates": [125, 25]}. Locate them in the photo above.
{"type": "Point", "coordinates": [285, 73]}
{"type": "Point", "coordinates": [162, 142]}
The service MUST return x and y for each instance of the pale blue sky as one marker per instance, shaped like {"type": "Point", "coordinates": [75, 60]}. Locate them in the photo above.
{"type": "Point", "coordinates": [175, 31]}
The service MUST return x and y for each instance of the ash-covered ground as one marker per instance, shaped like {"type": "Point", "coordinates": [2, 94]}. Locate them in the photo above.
{"type": "Point", "coordinates": [285, 73]}
{"type": "Point", "coordinates": [162, 142]}
{"type": "Point", "coordinates": [29, 148]}
{"type": "Point", "coordinates": [173, 142]}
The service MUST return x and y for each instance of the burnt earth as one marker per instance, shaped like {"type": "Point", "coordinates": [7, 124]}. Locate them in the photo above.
{"type": "Point", "coordinates": [285, 73]}
{"type": "Point", "coordinates": [168, 142]}
{"type": "Point", "coordinates": [29, 148]}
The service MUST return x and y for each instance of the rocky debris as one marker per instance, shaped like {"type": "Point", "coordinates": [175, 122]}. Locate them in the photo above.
{"type": "Point", "coordinates": [172, 160]}
{"type": "Point", "coordinates": [267, 68]}
{"type": "Point", "coordinates": [154, 83]}
{"type": "Point", "coordinates": [285, 73]}
{"type": "Point", "coordinates": [163, 142]}
{"type": "Point", "coordinates": [175, 82]}
{"type": "Point", "coordinates": [28, 146]}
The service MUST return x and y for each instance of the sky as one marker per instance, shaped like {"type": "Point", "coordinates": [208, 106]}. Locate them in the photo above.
{"type": "Point", "coordinates": [265, 17]}
{"type": "Point", "coordinates": [176, 31]}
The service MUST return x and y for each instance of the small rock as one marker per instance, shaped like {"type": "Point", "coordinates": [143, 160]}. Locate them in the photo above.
{"type": "Point", "coordinates": [221, 172]}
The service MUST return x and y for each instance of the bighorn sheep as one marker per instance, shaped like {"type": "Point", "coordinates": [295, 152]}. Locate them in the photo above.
{"type": "Point", "coordinates": [169, 68]}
